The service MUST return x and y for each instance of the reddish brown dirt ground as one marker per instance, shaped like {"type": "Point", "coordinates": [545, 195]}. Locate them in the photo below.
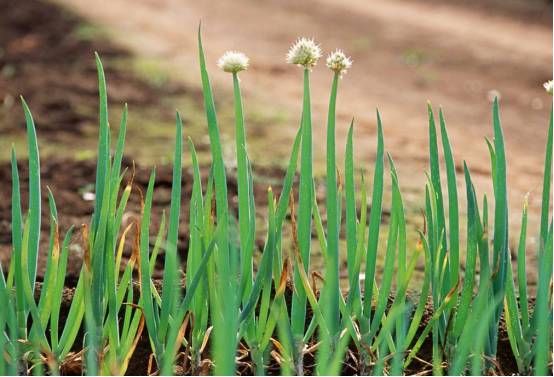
{"type": "Point", "coordinates": [455, 54]}
{"type": "Point", "coordinates": [504, 365]}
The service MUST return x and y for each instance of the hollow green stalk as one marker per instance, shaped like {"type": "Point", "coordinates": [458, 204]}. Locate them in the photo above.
{"type": "Point", "coordinates": [246, 228]}
{"type": "Point", "coordinates": [331, 305]}
{"type": "Point", "coordinates": [298, 314]}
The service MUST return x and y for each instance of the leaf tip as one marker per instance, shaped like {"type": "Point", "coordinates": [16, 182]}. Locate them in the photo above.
{"type": "Point", "coordinates": [23, 102]}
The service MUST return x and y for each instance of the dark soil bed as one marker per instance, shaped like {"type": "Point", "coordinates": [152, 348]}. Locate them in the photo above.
{"type": "Point", "coordinates": [72, 182]}
{"type": "Point", "coordinates": [503, 365]}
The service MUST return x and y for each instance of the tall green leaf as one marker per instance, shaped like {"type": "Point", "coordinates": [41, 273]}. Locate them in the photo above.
{"type": "Point", "coordinates": [34, 194]}
{"type": "Point", "coordinates": [171, 281]}
{"type": "Point", "coordinates": [225, 326]}
{"type": "Point", "coordinates": [500, 252]}
{"type": "Point", "coordinates": [374, 220]}
{"type": "Point", "coordinates": [453, 211]}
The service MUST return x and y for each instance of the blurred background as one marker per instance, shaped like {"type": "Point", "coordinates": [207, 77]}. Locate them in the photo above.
{"type": "Point", "coordinates": [456, 54]}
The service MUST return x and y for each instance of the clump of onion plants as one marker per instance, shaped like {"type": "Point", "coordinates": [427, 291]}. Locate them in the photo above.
{"type": "Point", "coordinates": [228, 312]}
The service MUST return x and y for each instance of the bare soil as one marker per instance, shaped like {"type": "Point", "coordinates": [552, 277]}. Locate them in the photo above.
{"type": "Point", "coordinates": [71, 181]}
{"type": "Point", "coordinates": [44, 58]}
{"type": "Point", "coordinates": [504, 364]}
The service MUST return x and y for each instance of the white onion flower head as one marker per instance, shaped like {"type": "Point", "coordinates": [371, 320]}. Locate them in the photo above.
{"type": "Point", "coordinates": [549, 87]}
{"type": "Point", "coordinates": [304, 52]}
{"type": "Point", "coordinates": [233, 62]}
{"type": "Point", "coordinates": [338, 62]}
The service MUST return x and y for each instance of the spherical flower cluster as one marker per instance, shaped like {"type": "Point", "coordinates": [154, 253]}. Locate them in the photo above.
{"type": "Point", "coordinates": [338, 62]}
{"type": "Point", "coordinates": [233, 62]}
{"type": "Point", "coordinates": [549, 87]}
{"type": "Point", "coordinates": [304, 52]}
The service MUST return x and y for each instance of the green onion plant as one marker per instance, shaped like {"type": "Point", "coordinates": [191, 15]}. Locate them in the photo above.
{"type": "Point", "coordinates": [219, 310]}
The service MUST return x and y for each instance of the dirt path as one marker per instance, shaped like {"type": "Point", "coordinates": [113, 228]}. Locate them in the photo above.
{"type": "Point", "coordinates": [404, 53]}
